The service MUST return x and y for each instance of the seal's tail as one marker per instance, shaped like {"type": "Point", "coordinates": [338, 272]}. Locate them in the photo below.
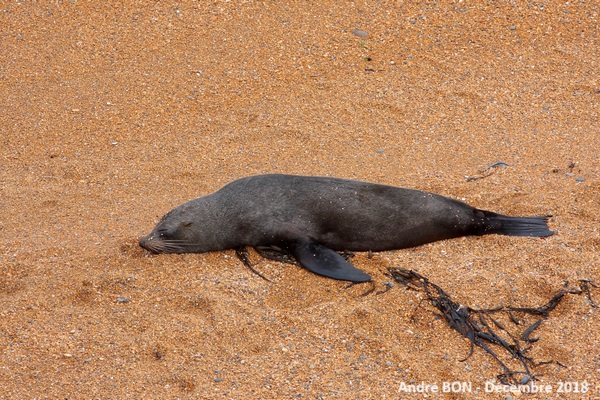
{"type": "Point", "coordinates": [516, 226]}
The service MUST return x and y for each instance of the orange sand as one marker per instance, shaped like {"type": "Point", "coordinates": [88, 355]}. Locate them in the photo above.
{"type": "Point", "coordinates": [111, 114]}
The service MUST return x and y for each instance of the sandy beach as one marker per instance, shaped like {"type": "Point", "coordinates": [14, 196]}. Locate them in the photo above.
{"type": "Point", "coordinates": [111, 114]}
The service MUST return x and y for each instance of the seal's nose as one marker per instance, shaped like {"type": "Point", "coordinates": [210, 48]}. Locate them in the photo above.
{"type": "Point", "coordinates": [145, 242]}
{"type": "Point", "coordinates": [153, 243]}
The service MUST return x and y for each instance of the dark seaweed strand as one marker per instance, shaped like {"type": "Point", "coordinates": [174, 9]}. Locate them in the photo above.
{"type": "Point", "coordinates": [585, 284]}
{"type": "Point", "coordinates": [242, 254]}
{"type": "Point", "coordinates": [461, 319]}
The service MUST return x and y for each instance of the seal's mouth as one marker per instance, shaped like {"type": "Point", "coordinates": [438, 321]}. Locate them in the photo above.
{"type": "Point", "coordinates": [159, 245]}
{"type": "Point", "coordinates": [148, 243]}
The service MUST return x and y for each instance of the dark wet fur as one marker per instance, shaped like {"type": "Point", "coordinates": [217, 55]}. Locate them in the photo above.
{"type": "Point", "coordinates": [312, 218]}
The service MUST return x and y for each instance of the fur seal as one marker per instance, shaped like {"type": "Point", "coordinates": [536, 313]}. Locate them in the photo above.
{"type": "Point", "coordinates": [311, 218]}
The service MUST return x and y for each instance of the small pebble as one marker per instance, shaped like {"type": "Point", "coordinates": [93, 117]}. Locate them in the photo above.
{"type": "Point", "coordinates": [579, 180]}
{"type": "Point", "coordinates": [360, 33]}
{"type": "Point", "coordinates": [501, 164]}
{"type": "Point", "coordinates": [123, 300]}
{"type": "Point", "coordinates": [525, 379]}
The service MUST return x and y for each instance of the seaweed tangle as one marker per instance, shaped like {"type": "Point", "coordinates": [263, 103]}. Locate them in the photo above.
{"type": "Point", "coordinates": [480, 327]}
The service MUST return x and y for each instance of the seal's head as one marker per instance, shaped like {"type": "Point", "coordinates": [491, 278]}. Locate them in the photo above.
{"type": "Point", "coordinates": [174, 233]}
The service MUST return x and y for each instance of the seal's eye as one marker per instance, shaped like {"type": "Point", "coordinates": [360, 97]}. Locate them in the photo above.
{"type": "Point", "coordinates": [162, 233]}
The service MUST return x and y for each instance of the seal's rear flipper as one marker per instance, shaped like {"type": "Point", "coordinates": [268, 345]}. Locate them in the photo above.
{"type": "Point", "coordinates": [323, 261]}
{"type": "Point", "coordinates": [516, 226]}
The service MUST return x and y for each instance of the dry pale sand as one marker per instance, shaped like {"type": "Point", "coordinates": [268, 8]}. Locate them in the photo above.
{"type": "Point", "coordinates": [113, 113]}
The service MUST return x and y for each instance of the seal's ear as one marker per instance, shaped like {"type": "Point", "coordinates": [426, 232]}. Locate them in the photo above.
{"type": "Point", "coordinates": [322, 260]}
{"type": "Point", "coordinates": [186, 223]}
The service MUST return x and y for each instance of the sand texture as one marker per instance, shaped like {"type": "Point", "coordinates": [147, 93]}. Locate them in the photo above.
{"type": "Point", "coordinates": [112, 113]}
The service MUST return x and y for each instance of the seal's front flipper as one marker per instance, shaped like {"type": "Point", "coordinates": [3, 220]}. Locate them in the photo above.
{"type": "Point", "coordinates": [276, 254]}
{"type": "Point", "coordinates": [323, 261]}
